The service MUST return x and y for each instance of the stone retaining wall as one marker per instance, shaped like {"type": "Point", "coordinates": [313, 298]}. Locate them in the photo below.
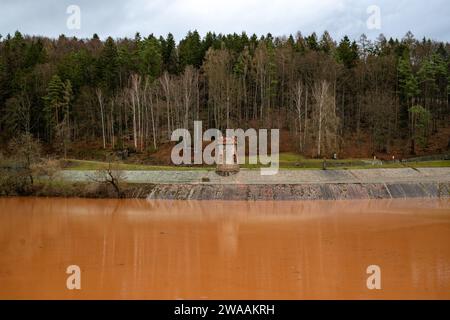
{"type": "Point", "coordinates": [341, 191]}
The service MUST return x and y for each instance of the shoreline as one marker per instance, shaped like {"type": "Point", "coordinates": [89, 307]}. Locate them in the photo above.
{"type": "Point", "coordinates": [249, 185]}
{"type": "Point", "coordinates": [282, 192]}
{"type": "Point", "coordinates": [293, 192]}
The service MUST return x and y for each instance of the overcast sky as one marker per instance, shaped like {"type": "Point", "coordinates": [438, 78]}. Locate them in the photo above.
{"type": "Point", "coordinates": [120, 18]}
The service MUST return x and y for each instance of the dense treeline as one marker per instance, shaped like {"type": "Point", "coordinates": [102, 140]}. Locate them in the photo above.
{"type": "Point", "coordinates": [134, 92]}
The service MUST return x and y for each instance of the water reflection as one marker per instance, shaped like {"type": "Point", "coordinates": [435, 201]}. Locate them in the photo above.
{"type": "Point", "coordinates": [220, 249]}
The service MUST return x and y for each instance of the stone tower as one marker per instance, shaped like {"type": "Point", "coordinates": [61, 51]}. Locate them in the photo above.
{"type": "Point", "coordinates": [227, 157]}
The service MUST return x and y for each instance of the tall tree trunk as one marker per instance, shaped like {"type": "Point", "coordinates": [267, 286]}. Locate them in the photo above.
{"type": "Point", "coordinates": [100, 101]}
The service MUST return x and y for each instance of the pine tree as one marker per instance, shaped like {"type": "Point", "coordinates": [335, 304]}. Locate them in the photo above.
{"type": "Point", "coordinates": [54, 100]}
{"type": "Point", "coordinates": [408, 83]}
{"type": "Point", "coordinates": [169, 54]}
{"type": "Point", "coordinates": [57, 102]}
{"type": "Point", "coordinates": [347, 52]}
{"type": "Point", "coordinates": [108, 66]}
{"type": "Point", "coordinates": [190, 50]}
{"type": "Point", "coordinates": [150, 57]}
{"type": "Point", "coordinates": [312, 42]}
{"type": "Point", "coordinates": [427, 77]}
{"type": "Point", "coordinates": [420, 126]}
{"type": "Point", "coordinates": [62, 129]}
{"type": "Point", "coordinates": [326, 43]}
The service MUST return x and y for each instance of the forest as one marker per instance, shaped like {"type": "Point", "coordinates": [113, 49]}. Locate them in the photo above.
{"type": "Point", "coordinates": [356, 98]}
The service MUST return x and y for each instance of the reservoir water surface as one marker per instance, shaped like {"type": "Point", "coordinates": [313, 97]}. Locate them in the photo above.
{"type": "Point", "coordinates": [138, 249]}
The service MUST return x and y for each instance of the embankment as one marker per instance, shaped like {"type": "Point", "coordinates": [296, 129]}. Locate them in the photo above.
{"type": "Point", "coordinates": [286, 185]}
{"type": "Point", "coordinates": [330, 191]}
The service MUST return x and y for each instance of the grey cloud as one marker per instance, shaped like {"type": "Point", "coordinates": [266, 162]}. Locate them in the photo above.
{"type": "Point", "coordinates": [124, 18]}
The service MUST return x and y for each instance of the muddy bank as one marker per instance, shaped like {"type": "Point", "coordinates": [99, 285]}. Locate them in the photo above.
{"type": "Point", "coordinates": [341, 191]}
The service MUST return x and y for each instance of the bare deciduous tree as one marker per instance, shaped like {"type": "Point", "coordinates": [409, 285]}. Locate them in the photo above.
{"type": "Point", "coordinates": [101, 102]}
{"type": "Point", "coordinates": [111, 175]}
{"type": "Point", "coordinates": [325, 117]}
{"type": "Point", "coordinates": [298, 99]}
{"type": "Point", "coordinates": [25, 150]}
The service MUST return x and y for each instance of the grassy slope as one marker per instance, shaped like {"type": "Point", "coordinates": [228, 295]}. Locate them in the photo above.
{"type": "Point", "coordinates": [95, 165]}
{"type": "Point", "coordinates": [287, 161]}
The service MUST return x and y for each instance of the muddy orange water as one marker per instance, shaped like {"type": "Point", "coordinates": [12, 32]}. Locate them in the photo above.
{"type": "Point", "coordinates": [130, 249]}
